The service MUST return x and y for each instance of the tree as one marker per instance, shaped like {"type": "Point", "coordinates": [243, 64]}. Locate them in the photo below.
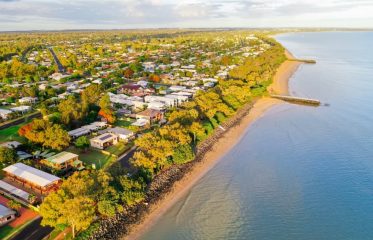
{"type": "Point", "coordinates": [106, 110]}
{"type": "Point", "coordinates": [128, 73]}
{"type": "Point", "coordinates": [183, 154]}
{"type": "Point", "coordinates": [58, 208]}
{"type": "Point", "coordinates": [82, 143]}
{"type": "Point", "coordinates": [78, 200]}
{"type": "Point", "coordinates": [7, 156]}
{"type": "Point", "coordinates": [108, 114]}
{"type": "Point", "coordinates": [71, 110]}
{"type": "Point", "coordinates": [56, 137]}
{"type": "Point", "coordinates": [78, 213]}
{"type": "Point", "coordinates": [91, 95]}
{"type": "Point", "coordinates": [14, 205]}
{"type": "Point", "coordinates": [154, 78]}
{"type": "Point", "coordinates": [46, 134]}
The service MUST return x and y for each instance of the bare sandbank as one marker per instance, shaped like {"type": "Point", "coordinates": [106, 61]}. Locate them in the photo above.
{"type": "Point", "coordinates": [220, 148]}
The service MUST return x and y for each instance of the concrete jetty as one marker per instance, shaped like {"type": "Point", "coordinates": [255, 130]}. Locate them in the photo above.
{"type": "Point", "coordinates": [300, 100]}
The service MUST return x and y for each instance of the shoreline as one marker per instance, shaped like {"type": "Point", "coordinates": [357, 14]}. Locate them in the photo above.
{"type": "Point", "coordinates": [230, 138]}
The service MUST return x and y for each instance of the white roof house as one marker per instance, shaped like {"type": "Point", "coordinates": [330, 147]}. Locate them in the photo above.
{"type": "Point", "coordinates": [179, 98]}
{"type": "Point", "coordinates": [27, 100]}
{"type": "Point", "coordinates": [4, 113]}
{"type": "Point", "coordinates": [21, 109]}
{"type": "Point", "coordinates": [11, 144]}
{"type": "Point", "coordinates": [122, 133]}
{"type": "Point", "coordinates": [104, 140]}
{"type": "Point", "coordinates": [78, 132]}
{"type": "Point", "coordinates": [31, 175]}
{"type": "Point", "coordinates": [176, 88]}
{"type": "Point", "coordinates": [14, 190]}
{"type": "Point", "coordinates": [157, 105]}
{"type": "Point", "coordinates": [6, 215]}
{"type": "Point", "coordinates": [168, 101]}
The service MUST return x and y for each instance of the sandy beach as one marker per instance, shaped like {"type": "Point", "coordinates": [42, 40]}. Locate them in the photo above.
{"type": "Point", "coordinates": [280, 83]}
{"type": "Point", "coordinates": [220, 148]}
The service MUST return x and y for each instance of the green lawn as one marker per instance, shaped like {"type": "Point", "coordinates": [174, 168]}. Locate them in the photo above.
{"type": "Point", "coordinates": [5, 231]}
{"type": "Point", "coordinates": [123, 123]}
{"type": "Point", "coordinates": [90, 157]}
{"type": "Point", "coordinates": [119, 148]}
{"type": "Point", "coordinates": [11, 134]}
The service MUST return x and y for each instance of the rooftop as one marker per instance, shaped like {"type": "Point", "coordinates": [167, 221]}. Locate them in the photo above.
{"type": "Point", "coordinates": [31, 174]}
{"type": "Point", "coordinates": [61, 157]}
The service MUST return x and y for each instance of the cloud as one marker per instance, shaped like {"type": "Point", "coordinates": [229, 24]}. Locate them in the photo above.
{"type": "Point", "coordinates": [56, 14]}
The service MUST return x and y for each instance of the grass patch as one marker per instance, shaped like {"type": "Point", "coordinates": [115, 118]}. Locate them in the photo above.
{"type": "Point", "coordinates": [6, 231]}
{"type": "Point", "coordinates": [119, 148]}
{"type": "Point", "coordinates": [91, 156]}
{"type": "Point", "coordinates": [123, 123]}
{"type": "Point", "coordinates": [11, 134]}
{"type": "Point", "coordinates": [54, 234]}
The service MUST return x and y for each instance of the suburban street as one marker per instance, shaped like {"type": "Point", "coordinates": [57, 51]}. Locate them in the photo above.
{"type": "Point", "coordinates": [61, 69]}
{"type": "Point", "coordinates": [34, 231]}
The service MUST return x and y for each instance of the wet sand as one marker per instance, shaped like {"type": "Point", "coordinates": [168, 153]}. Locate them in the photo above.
{"type": "Point", "coordinates": [220, 148]}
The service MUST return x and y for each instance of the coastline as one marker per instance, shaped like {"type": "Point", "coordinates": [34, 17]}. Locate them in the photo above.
{"type": "Point", "coordinates": [231, 137]}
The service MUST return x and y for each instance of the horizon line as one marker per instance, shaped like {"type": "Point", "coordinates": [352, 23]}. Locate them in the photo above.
{"type": "Point", "coordinates": [188, 28]}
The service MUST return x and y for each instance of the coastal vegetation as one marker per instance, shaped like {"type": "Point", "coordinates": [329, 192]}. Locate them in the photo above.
{"type": "Point", "coordinates": [233, 69]}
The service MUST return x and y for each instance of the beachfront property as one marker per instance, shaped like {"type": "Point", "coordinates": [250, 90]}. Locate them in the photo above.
{"type": "Point", "coordinates": [63, 161]}
{"type": "Point", "coordinates": [32, 178]}
{"type": "Point", "coordinates": [6, 215]}
{"type": "Point", "coordinates": [105, 140]}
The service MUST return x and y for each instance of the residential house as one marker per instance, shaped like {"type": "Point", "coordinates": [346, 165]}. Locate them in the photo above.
{"type": "Point", "coordinates": [28, 100]}
{"type": "Point", "coordinates": [151, 115]}
{"type": "Point", "coordinates": [5, 113]}
{"type": "Point", "coordinates": [149, 66]}
{"type": "Point", "coordinates": [122, 133]}
{"type": "Point", "coordinates": [21, 109]}
{"type": "Point", "coordinates": [105, 140]}
{"type": "Point", "coordinates": [6, 215]}
{"type": "Point", "coordinates": [132, 89]}
{"type": "Point", "coordinates": [32, 177]}
{"type": "Point", "coordinates": [11, 144]}
{"type": "Point", "coordinates": [63, 161]}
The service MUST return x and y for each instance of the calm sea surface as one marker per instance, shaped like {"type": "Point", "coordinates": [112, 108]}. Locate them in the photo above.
{"type": "Point", "coordinates": [299, 172]}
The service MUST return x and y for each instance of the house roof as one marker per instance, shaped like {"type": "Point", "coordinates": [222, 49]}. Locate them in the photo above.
{"type": "Point", "coordinates": [31, 174]}
{"type": "Point", "coordinates": [131, 86]}
{"type": "Point", "coordinates": [104, 137]}
{"type": "Point", "coordinates": [61, 157]}
{"type": "Point", "coordinates": [4, 211]}
{"type": "Point", "coordinates": [14, 190]}
{"type": "Point", "coordinates": [120, 131]}
{"type": "Point", "coordinates": [149, 113]}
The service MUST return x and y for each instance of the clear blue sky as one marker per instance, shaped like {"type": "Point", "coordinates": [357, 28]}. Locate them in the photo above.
{"type": "Point", "coordinates": [79, 14]}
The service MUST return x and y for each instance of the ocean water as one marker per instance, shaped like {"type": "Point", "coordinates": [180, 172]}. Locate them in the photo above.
{"type": "Point", "coordinates": [299, 172]}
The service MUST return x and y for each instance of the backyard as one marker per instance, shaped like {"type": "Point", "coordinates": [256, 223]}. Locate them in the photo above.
{"type": "Point", "coordinates": [11, 134]}
{"type": "Point", "coordinates": [119, 148]}
{"type": "Point", "coordinates": [91, 156]}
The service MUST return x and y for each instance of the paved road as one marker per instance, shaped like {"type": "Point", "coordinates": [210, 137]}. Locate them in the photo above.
{"type": "Point", "coordinates": [61, 69]}
{"type": "Point", "coordinates": [34, 231]}
{"type": "Point", "coordinates": [124, 159]}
